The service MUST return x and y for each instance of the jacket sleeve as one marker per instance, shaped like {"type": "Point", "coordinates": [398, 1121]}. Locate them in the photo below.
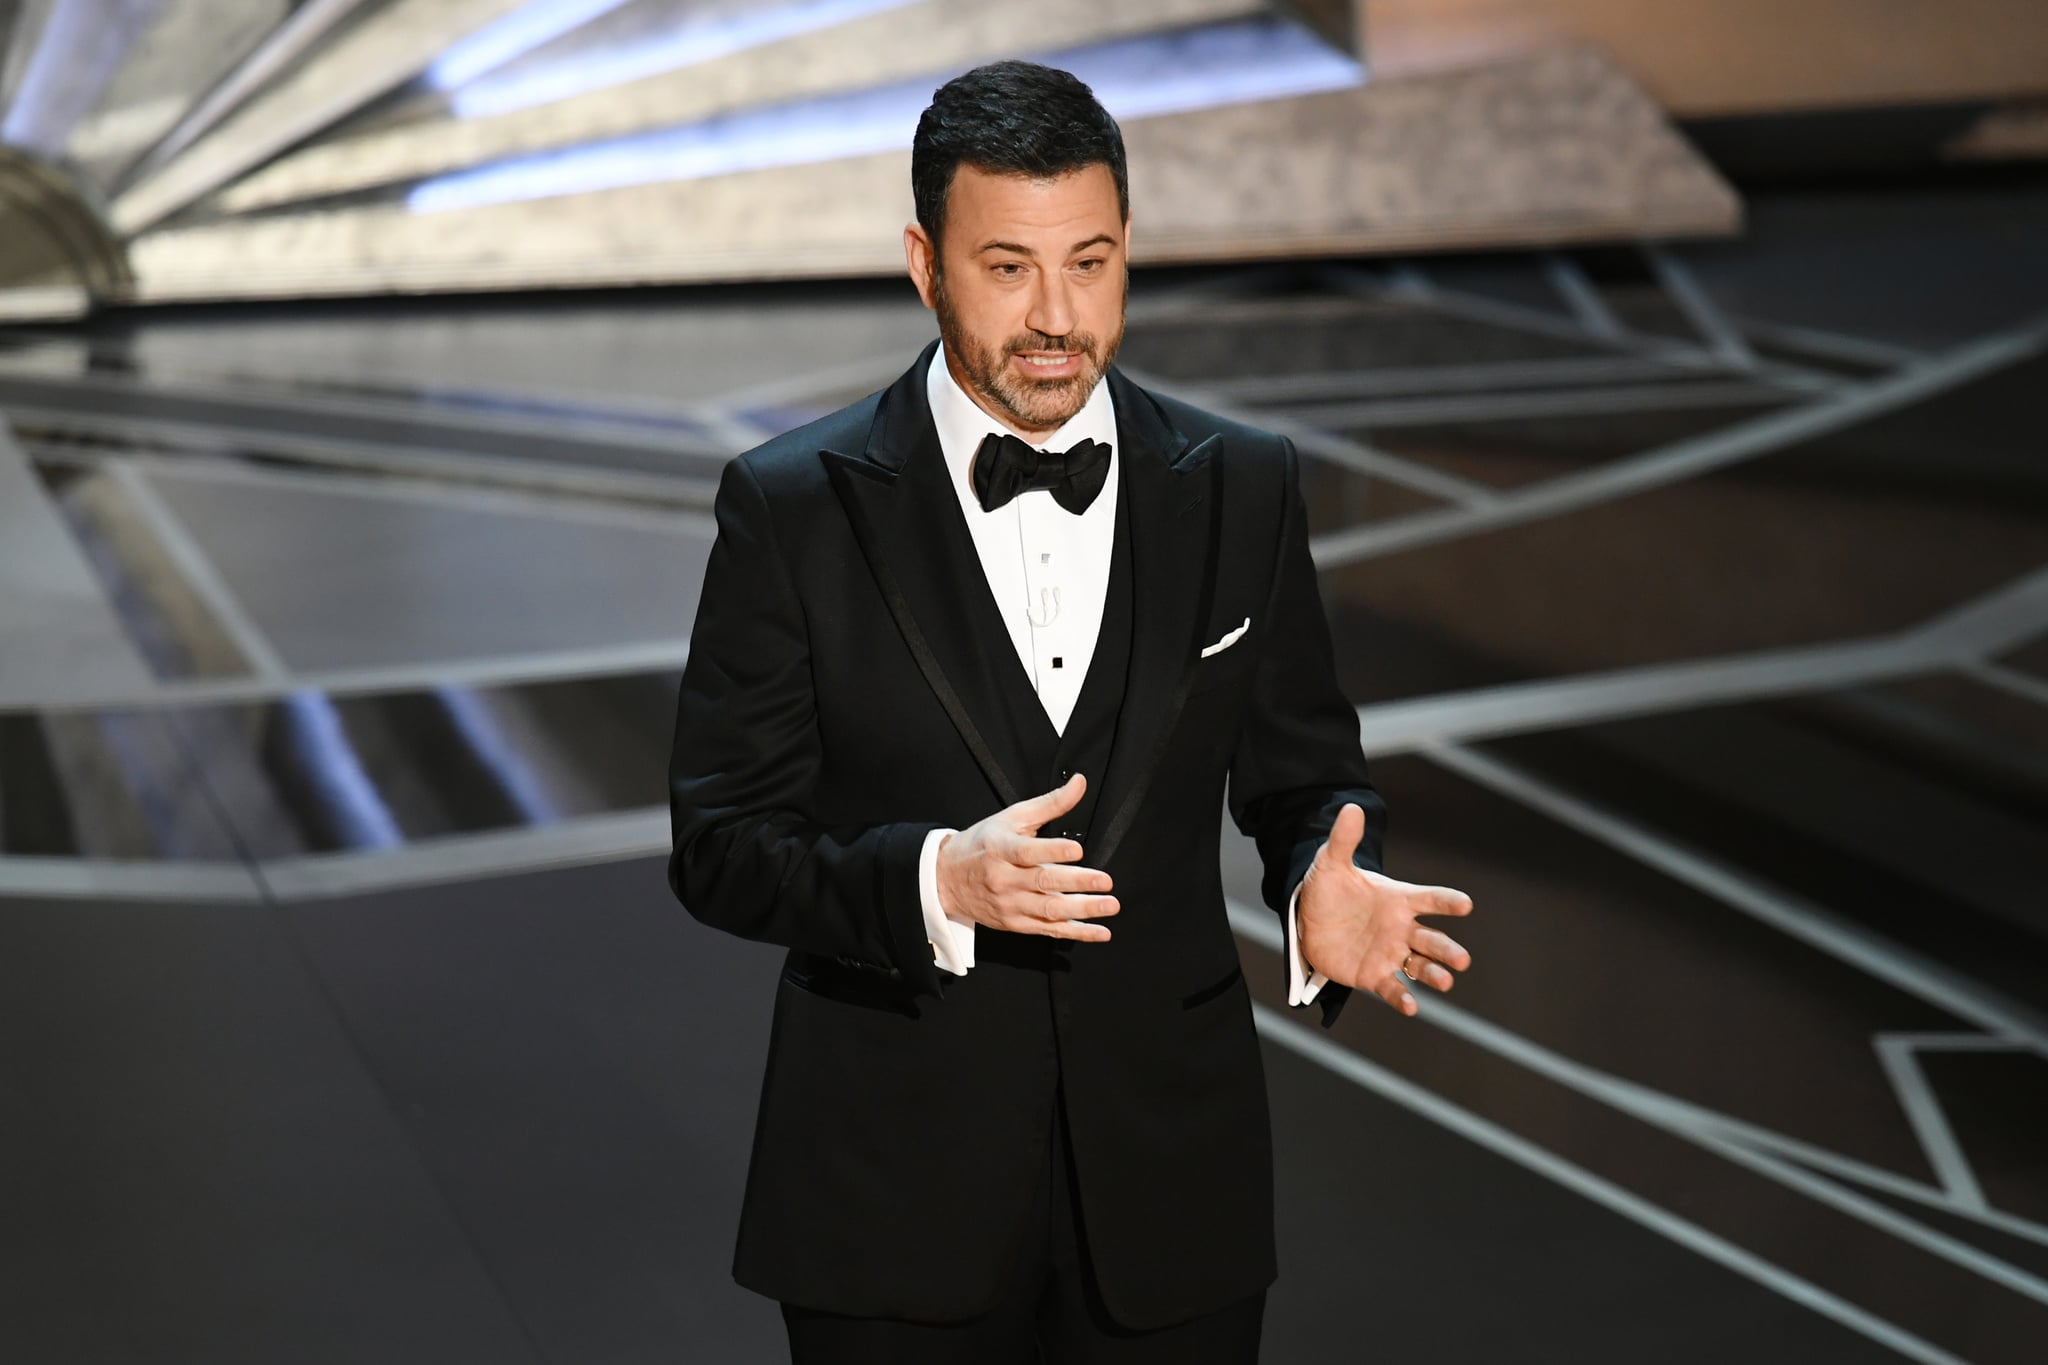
{"type": "Point", "coordinates": [1298, 761]}
{"type": "Point", "coordinates": [749, 857]}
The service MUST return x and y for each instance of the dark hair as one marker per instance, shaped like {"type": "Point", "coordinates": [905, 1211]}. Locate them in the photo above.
{"type": "Point", "coordinates": [1011, 118]}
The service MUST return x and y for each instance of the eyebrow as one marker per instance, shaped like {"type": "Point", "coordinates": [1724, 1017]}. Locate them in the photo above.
{"type": "Point", "coordinates": [1099, 239]}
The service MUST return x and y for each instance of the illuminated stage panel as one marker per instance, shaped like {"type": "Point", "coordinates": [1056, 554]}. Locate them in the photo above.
{"type": "Point", "coordinates": [626, 43]}
{"type": "Point", "coordinates": [190, 47]}
{"type": "Point", "coordinates": [346, 71]}
{"type": "Point", "coordinates": [1563, 147]}
{"type": "Point", "coordinates": [1497, 155]}
{"type": "Point", "coordinates": [1135, 78]}
{"type": "Point", "coordinates": [490, 119]}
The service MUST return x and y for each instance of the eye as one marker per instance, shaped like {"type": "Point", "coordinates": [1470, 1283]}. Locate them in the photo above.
{"type": "Point", "coordinates": [1089, 266]}
{"type": "Point", "coordinates": [1008, 270]}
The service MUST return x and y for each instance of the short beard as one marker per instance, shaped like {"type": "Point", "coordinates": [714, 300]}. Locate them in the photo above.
{"type": "Point", "coordinates": [1034, 405]}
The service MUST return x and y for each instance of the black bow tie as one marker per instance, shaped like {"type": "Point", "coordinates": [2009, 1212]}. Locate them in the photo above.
{"type": "Point", "coordinates": [1006, 465]}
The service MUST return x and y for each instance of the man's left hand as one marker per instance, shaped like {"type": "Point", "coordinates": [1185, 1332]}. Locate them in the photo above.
{"type": "Point", "coordinates": [1358, 927]}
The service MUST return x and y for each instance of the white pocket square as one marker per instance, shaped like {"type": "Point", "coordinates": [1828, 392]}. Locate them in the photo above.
{"type": "Point", "coordinates": [1229, 639]}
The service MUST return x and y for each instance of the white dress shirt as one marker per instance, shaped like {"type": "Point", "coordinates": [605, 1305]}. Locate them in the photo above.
{"type": "Point", "coordinates": [1048, 570]}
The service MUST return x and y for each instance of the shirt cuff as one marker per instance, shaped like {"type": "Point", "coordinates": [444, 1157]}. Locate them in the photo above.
{"type": "Point", "coordinates": [1299, 992]}
{"type": "Point", "coordinates": [952, 939]}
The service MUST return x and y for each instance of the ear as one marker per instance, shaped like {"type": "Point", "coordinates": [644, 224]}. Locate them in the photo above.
{"type": "Point", "coordinates": [921, 255]}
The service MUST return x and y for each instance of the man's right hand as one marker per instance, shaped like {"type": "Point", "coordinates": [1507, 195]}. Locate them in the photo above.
{"type": "Point", "coordinates": [999, 873]}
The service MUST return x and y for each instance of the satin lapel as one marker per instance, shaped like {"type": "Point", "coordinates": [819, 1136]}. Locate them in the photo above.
{"type": "Point", "coordinates": [1176, 515]}
{"type": "Point", "coordinates": [907, 518]}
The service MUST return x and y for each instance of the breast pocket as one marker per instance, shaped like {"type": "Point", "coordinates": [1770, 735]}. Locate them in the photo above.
{"type": "Point", "coordinates": [1229, 668]}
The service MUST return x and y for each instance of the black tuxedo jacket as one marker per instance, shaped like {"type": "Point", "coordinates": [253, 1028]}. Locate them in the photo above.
{"type": "Point", "coordinates": [841, 700]}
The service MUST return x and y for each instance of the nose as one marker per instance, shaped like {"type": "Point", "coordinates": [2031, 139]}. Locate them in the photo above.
{"type": "Point", "coordinates": [1052, 305]}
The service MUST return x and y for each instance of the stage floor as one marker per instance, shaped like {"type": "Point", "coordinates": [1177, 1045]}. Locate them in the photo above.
{"type": "Point", "coordinates": [1694, 599]}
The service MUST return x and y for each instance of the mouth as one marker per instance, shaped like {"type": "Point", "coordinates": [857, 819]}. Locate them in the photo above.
{"type": "Point", "coordinates": [1048, 364]}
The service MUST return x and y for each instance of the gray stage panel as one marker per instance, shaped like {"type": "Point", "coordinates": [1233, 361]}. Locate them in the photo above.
{"type": "Point", "coordinates": [636, 354]}
{"type": "Point", "coordinates": [337, 580]}
{"type": "Point", "coordinates": [1402, 1240]}
{"type": "Point", "coordinates": [59, 635]}
{"type": "Point", "coordinates": [197, 1167]}
{"type": "Point", "coordinates": [579, 1062]}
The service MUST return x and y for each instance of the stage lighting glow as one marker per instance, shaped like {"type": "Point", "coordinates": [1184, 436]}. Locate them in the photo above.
{"type": "Point", "coordinates": [516, 778]}
{"type": "Point", "coordinates": [314, 726]}
{"type": "Point", "coordinates": [80, 46]}
{"type": "Point", "coordinates": [698, 36]}
{"type": "Point", "coordinates": [1134, 78]}
{"type": "Point", "coordinates": [515, 35]}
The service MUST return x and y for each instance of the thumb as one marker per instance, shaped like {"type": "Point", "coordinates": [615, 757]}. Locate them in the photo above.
{"type": "Point", "coordinates": [1345, 834]}
{"type": "Point", "coordinates": [1034, 811]}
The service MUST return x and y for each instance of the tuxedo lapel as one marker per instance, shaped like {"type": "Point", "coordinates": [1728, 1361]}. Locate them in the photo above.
{"type": "Point", "coordinates": [1175, 519]}
{"type": "Point", "coordinates": [907, 519]}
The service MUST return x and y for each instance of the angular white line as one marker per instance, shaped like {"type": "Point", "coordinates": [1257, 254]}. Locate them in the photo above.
{"type": "Point", "coordinates": [1706, 1129]}
{"type": "Point", "coordinates": [242, 398]}
{"type": "Point", "coordinates": [202, 576]}
{"type": "Point", "coordinates": [1872, 1177]}
{"type": "Point", "coordinates": [1512, 1146]}
{"type": "Point", "coordinates": [1520, 708]}
{"type": "Point", "coordinates": [608, 837]}
{"type": "Point", "coordinates": [1998, 620]}
{"type": "Point", "coordinates": [2023, 685]}
{"type": "Point", "coordinates": [414, 461]}
{"type": "Point", "coordinates": [1579, 294]}
{"type": "Point", "coordinates": [1693, 455]}
{"type": "Point", "coordinates": [1478, 377]}
{"type": "Point", "coordinates": [1338, 450]}
{"type": "Point", "coordinates": [1930, 1124]}
{"type": "Point", "coordinates": [1722, 339]}
{"type": "Point", "coordinates": [124, 879]}
{"type": "Point", "coordinates": [1499, 313]}
{"type": "Point", "coordinates": [1683, 1120]}
{"type": "Point", "coordinates": [1687, 396]}
{"type": "Point", "coordinates": [1828, 345]}
{"type": "Point", "coordinates": [1895, 965]}
{"type": "Point", "coordinates": [316, 482]}
{"type": "Point", "coordinates": [505, 670]}
{"type": "Point", "coordinates": [2002, 619]}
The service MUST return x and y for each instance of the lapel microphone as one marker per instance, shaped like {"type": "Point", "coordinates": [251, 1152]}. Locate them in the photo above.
{"type": "Point", "coordinates": [1049, 608]}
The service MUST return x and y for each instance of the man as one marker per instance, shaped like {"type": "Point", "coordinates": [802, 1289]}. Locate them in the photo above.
{"type": "Point", "coordinates": [958, 719]}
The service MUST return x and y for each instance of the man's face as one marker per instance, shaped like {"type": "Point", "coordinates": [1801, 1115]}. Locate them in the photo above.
{"type": "Point", "coordinates": [1028, 281]}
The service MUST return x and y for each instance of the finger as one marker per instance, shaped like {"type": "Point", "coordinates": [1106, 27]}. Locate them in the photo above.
{"type": "Point", "coordinates": [1442, 900]}
{"type": "Point", "coordinates": [1027, 815]}
{"type": "Point", "coordinates": [1344, 835]}
{"type": "Point", "coordinates": [1428, 971]}
{"type": "Point", "coordinates": [1396, 995]}
{"type": "Point", "coordinates": [1064, 916]}
{"type": "Point", "coordinates": [1071, 906]}
{"type": "Point", "coordinates": [1442, 947]}
{"type": "Point", "coordinates": [1054, 878]}
{"type": "Point", "coordinates": [1079, 931]}
{"type": "Point", "coordinates": [1028, 852]}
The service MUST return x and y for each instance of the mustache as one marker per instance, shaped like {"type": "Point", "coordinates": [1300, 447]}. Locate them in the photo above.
{"type": "Point", "coordinates": [1073, 342]}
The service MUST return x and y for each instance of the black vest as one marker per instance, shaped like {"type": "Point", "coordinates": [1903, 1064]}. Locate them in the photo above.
{"type": "Point", "coordinates": [1050, 755]}
{"type": "Point", "coordinates": [1084, 746]}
